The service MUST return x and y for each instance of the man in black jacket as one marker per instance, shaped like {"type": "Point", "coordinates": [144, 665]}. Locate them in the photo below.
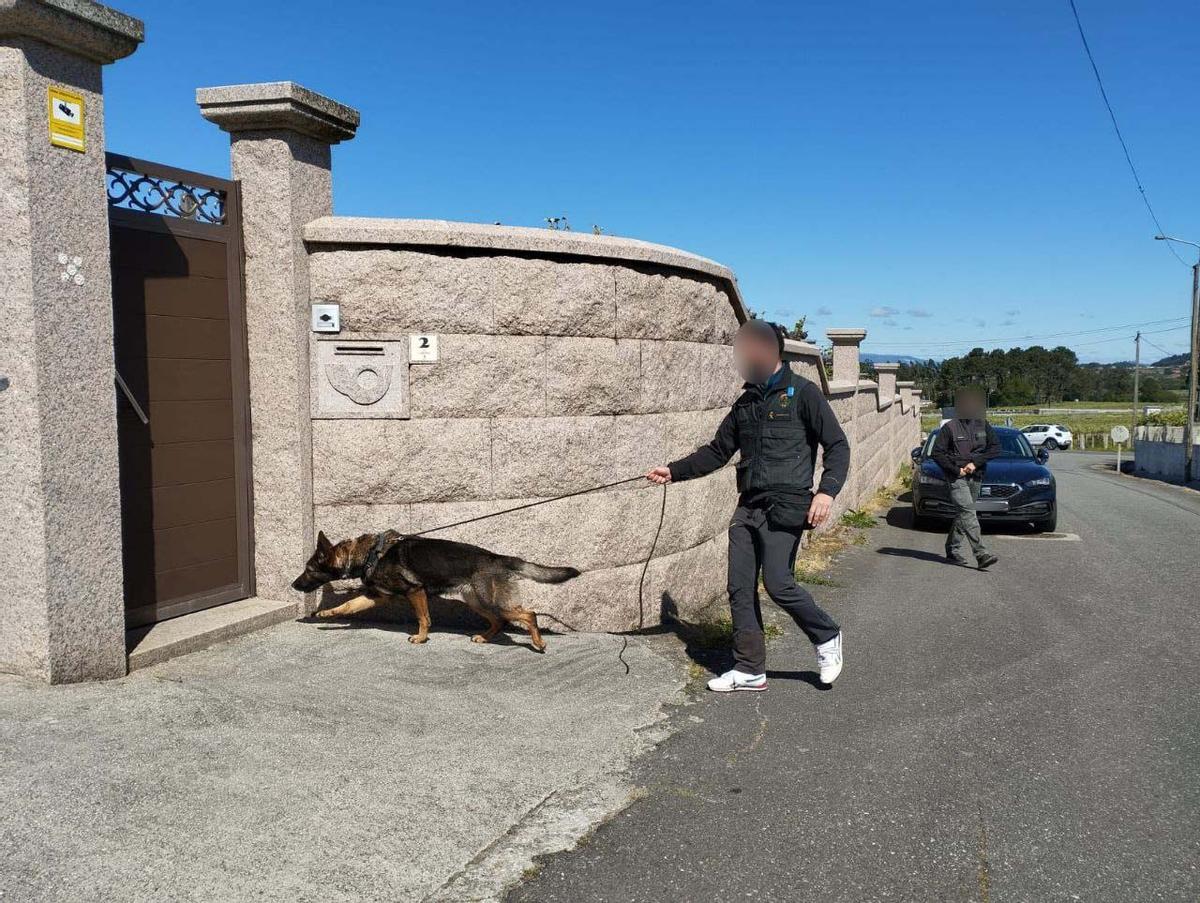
{"type": "Point", "coordinates": [777, 425]}
{"type": "Point", "coordinates": [962, 448]}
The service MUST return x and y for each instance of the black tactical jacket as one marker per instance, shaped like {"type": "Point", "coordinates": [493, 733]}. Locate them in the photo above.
{"type": "Point", "coordinates": [777, 432]}
{"type": "Point", "coordinates": [959, 442]}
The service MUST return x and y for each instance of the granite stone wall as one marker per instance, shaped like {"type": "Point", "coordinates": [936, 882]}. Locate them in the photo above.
{"type": "Point", "coordinates": [61, 600]}
{"type": "Point", "coordinates": [561, 367]}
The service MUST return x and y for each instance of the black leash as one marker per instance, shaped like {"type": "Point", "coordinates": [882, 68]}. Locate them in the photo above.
{"type": "Point", "coordinates": [557, 498]}
{"type": "Point", "coordinates": [662, 516]}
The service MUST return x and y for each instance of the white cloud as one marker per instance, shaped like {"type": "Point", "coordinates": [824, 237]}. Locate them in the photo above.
{"type": "Point", "coordinates": [883, 312]}
{"type": "Point", "coordinates": [824, 311]}
{"type": "Point", "coordinates": [919, 312]}
{"type": "Point", "coordinates": [889, 322]}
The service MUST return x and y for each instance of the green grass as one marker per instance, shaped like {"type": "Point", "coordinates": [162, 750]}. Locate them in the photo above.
{"type": "Point", "coordinates": [812, 577]}
{"type": "Point", "coordinates": [1092, 426]}
{"type": "Point", "coordinates": [718, 634]}
{"type": "Point", "coordinates": [856, 518]}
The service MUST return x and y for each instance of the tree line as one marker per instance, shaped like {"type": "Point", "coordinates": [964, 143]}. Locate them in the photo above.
{"type": "Point", "coordinates": [1031, 376]}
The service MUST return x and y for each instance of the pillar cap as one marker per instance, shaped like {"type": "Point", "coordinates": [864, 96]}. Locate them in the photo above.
{"type": "Point", "coordinates": [886, 366]}
{"type": "Point", "coordinates": [286, 106]}
{"type": "Point", "coordinates": [84, 27]}
{"type": "Point", "coordinates": [846, 336]}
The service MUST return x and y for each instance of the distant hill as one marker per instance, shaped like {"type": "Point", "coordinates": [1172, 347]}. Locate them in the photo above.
{"type": "Point", "coordinates": [1175, 360]}
{"type": "Point", "coordinates": [870, 358]}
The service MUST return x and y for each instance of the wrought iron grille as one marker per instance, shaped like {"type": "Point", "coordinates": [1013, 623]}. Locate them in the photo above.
{"type": "Point", "coordinates": [131, 190]}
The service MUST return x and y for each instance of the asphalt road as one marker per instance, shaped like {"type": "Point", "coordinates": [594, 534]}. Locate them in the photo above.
{"type": "Point", "coordinates": [1028, 733]}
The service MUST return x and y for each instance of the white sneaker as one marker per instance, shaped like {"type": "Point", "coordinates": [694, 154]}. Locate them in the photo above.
{"type": "Point", "coordinates": [737, 680]}
{"type": "Point", "coordinates": [829, 659]}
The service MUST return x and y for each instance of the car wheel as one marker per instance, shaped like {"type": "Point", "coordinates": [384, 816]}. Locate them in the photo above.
{"type": "Point", "coordinates": [1047, 524]}
{"type": "Point", "coordinates": [1051, 444]}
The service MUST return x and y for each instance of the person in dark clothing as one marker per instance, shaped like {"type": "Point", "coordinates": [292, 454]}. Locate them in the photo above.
{"type": "Point", "coordinates": [776, 425]}
{"type": "Point", "coordinates": [962, 448]}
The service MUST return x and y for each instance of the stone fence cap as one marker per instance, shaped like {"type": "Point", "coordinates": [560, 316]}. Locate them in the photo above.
{"type": "Point", "coordinates": [379, 231]}
{"type": "Point", "coordinates": [886, 366]}
{"type": "Point", "coordinates": [846, 336]}
{"type": "Point", "coordinates": [285, 106]}
{"type": "Point", "coordinates": [801, 348]}
{"type": "Point", "coordinates": [92, 30]}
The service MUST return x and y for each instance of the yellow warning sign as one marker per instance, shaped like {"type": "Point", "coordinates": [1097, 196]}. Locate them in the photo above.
{"type": "Point", "coordinates": [66, 119]}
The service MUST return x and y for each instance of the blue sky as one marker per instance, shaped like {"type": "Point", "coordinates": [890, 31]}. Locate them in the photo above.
{"type": "Point", "coordinates": [942, 173]}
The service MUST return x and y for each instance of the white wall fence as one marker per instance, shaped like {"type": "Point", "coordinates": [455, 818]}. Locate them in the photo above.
{"type": "Point", "coordinates": [1158, 451]}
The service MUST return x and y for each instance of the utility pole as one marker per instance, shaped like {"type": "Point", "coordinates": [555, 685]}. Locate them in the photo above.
{"type": "Point", "coordinates": [1137, 372]}
{"type": "Point", "coordinates": [1189, 420]}
{"type": "Point", "coordinates": [1189, 438]}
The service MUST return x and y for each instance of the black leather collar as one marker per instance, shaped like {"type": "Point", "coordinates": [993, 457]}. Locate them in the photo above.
{"type": "Point", "coordinates": [383, 542]}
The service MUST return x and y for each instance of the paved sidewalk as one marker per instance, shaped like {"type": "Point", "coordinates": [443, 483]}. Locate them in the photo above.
{"type": "Point", "coordinates": [320, 763]}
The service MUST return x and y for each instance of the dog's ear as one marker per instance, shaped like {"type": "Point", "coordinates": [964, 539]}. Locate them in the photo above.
{"type": "Point", "coordinates": [323, 543]}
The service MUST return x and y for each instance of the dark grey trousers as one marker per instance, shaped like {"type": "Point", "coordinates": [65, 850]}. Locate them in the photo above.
{"type": "Point", "coordinates": [964, 529]}
{"type": "Point", "coordinates": [754, 546]}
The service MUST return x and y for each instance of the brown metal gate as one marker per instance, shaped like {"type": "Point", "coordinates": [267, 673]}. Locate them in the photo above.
{"type": "Point", "coordinates": [182, 389]}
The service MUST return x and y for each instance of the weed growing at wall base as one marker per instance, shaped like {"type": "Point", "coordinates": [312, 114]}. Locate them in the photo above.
{"type": "Point", "coordinates": [856, 517]}
{"type": "Point", "coordinates": [821, 550]}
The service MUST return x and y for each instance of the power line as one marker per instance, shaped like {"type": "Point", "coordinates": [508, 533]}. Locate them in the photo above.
{"type": "Point", "coordinates": [1162, 349]}
{"type": "Point", "coordinates": [976, 341]}
{"type": "Point", "coordinates": [1125, 338]}
{"type": "Point", "coordinates": [1137, 181]}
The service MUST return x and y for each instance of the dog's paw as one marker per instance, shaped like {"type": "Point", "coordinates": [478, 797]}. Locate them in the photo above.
{"type": "Point", "coordinates": [479, 638]}
{"type": "Point", "coordinates": [323, 613]}
{"type": "Point", "coordinates": [417, 638]}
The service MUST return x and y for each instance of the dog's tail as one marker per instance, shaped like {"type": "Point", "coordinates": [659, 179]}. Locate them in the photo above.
{"type": "Point", "coordinates": [539, 572]}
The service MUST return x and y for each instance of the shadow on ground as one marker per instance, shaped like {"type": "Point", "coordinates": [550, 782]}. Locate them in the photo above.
{"type": "Point", "coordinates": [901, 516]}
{"type": "Point", "coordinates": [708, 645]}
{"type": "Point", "coordinates": [396, 616]}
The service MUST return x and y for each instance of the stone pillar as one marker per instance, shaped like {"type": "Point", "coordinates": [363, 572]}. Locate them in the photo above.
{"type": "Point", "coordinates": [905, 388]}
{"type": "Point", "coordinates": [885, 374]}
{"type": "Point", "coordinates": [887, 383]}
{"type": "Point", "coordinates": [62, 610]}
{"type": "Point", "coordinates": [845, 354]}
{"type": "Point", "coordinates": [280, 139]}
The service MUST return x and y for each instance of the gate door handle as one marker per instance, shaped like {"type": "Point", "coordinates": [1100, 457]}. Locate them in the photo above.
{"type": "Point", "coordinates": [137, 408]}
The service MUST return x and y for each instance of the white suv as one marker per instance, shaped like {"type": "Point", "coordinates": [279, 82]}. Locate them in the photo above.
{"type": "Point", "coordinates": [1048, 435]}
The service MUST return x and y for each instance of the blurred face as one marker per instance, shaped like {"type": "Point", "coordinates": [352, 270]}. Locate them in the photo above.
{"type": "Point", "coordinates": [756, 356]}
{"type": "Point", "coordinates": [969, 403]}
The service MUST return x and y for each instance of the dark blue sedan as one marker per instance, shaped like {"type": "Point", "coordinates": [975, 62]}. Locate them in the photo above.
{"type": "Point", "coordinates": [1017, 487]}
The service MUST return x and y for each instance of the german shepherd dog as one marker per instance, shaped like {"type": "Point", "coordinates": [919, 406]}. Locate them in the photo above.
{"type": "Point", "coordinates": [390, 565]}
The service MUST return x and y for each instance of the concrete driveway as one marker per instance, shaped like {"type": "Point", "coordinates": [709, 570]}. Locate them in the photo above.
{"type": "Point", "coordinates": [320, 764]}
